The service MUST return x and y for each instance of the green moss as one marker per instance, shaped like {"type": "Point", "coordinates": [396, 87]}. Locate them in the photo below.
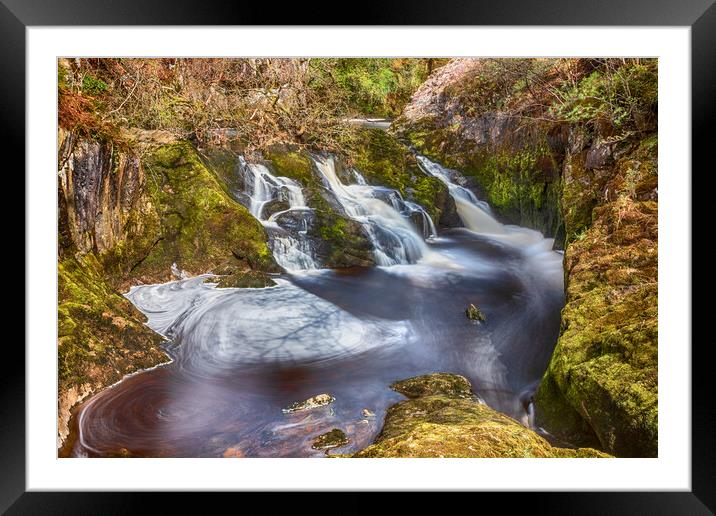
{"type": "Point", "coordinates": [244, 279]}
{"type": "Point", "coordinates": [604, 367]}
{"type": "Point", "coordinates": [333, 439]}
{"type": "Point", "coordinates": [190, 220]}
{"type": "Point", "coordinates": [101, 336]}
{"type": "Point", "coordinates": [441, 420]}
{"type": "Point", "coordinates": [435, 384]}
{"type": "Point", "coordinates": [383, 160]}
{"type": "Point", "coordinates": [346, 243]}
{"type": "Point", "coordinates": [293, 164]}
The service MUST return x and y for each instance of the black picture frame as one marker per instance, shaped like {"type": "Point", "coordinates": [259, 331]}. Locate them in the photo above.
{"type": "Point", "coordinates": [700, 15]}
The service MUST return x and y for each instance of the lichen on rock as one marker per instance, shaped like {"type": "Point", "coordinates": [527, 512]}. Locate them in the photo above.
{"type": "Point", "coordinates": [319, 400]}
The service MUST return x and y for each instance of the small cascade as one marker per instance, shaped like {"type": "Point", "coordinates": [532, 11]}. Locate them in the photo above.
{"type": "Point", "coordinates": [474, 213]}
{"type": "Point", "coordinates": [292, 249]}
{"type": "Point", "coordinates": [386, 217]}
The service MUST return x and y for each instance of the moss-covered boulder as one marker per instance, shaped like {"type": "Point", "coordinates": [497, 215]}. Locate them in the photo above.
{"type": "Point", "coordinates": [333, 439]}
{"type": "Point", "coordinates": [436, 384]}
{"type": "Point", "coordinates": [603, 380]}
{"type": "Point", "coordinates": [101, 336]}
{"type": "Point", "coordinates": [194, 223]}
{"type": "Point", "coordinates": [242, 279]}
{"type": "Point", "coordinates": [442, 420]}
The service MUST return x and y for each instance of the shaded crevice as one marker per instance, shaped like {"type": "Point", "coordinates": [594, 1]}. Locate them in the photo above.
{"type": "Point", "coordinates": [146, 254]}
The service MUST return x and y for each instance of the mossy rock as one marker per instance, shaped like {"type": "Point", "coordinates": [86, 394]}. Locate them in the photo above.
{"type": "Point", "coordinates": [473, 313]}
{"type": "Point", "coordinates": [435, 384]}
{"type": "Point", "coordinates": [602, 380]}
{"type": "Point", "coordinates": [333, 439]}
{"type": "Point", "coordinates": [102, 336]}
{"type": "Point", "coordinates": [244, 279]}
{"type": "Point", "coordinates": [289, 161]}
{"type": "Point", "coordinates": [441, 421]}
{"type": "Point", "coordinates": [188, 219]}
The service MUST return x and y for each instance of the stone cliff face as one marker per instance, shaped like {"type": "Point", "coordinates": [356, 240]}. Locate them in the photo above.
{"type": "Point", "coordinates": [126, 213]}
{"type": "Point", "coordinates": [592, 187]}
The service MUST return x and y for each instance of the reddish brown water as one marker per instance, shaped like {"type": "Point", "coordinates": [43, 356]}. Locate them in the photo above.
{"type": "Point", "coordinates": [241, 356]}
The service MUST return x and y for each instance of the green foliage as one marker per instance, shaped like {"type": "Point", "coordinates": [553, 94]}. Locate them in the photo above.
{"type": "Point", "coordinates": [623, 96]}
{"type": "Point", "coordinates": [93, 86]}
{"type": "Point", "coordinates": [373, 86]}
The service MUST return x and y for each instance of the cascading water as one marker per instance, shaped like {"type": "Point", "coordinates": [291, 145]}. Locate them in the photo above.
{"type": "Point", "coordinates": [292, 251]}
{"type": "Point", "coordinates": [477, 217]}
{"type": "Point", "coordinates": [383, 213]}
{"type": "Point", "coordinates": [475, 214]}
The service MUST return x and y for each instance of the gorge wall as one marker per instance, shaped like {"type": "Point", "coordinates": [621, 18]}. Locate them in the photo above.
{"type": "Point", "coordinates": [554, 147]}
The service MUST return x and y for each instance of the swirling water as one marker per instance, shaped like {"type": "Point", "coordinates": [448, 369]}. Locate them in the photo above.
{"type": "Point", "coordinates": [242, 355]}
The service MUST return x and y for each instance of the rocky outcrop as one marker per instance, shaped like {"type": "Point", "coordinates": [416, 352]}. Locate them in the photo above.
{"type": "Point", "coordinates": [101, 336]}
{"type": "Point", "coordinates": [547, 155]}
{"type": "Point", "coordinates": [442, 418]}
{"type": "Point", "coordinates": [602, 381]}
{"type": "Point", "coordinates": [337, 240]}
{"type": "Point", "coordinates": [455, 118]}
{"type": "Point", "coordinates": [129, 209]}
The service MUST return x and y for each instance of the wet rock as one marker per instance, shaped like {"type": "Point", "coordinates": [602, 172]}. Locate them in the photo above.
{"type": "Point", "coordinates": [442, 384]}
{"type": "Point", "coordinates": [320, 400]}
{"type": "Point", "coordinates": [368, 413]}
{"type": "Point", "coordinates": [333, 439]}
{"type": "Point", "coordinates": [233, 452]}
{"type": "Point", "coordinates": [295, 221]}
{"type": "Point", "coordinates": [599, 156]}
{"type": "Point", "coordinates": [274, 206]}
{"type": "Point", "coordinates": [475, 314]}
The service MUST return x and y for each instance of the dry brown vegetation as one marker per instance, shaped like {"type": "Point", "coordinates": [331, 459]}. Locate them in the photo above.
{"type": "Point", "coordinates": [257, 102]}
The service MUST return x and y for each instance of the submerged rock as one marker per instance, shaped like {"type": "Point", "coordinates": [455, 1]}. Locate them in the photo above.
{"type": "Point", "coordinates": [475, 314]}
{"type": "Point", "coordinates": [368, 413]}
{"type": "Point", "coordinates": [333, 439]}
{"type": "Point", "coordinates": [440, 421]}
{"type": "Point", "coordinates": [319, 400]}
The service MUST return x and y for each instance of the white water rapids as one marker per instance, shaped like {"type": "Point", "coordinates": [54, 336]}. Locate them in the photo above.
{"type": "Point", "coordinates": [291, 251]}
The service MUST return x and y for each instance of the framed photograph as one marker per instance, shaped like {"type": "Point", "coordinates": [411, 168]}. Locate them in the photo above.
{"type": "Point", "coordinates": [430, 250]}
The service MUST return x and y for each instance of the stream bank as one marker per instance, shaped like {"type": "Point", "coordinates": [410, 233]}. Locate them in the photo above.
{"type": "Point", "coordinates": [569, 147]}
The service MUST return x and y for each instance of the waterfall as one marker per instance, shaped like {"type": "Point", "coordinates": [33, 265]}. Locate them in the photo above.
{"type": "Point", "coordinates": [292, 250]}
{"type": "Point", "coordinates": [383, 213]}
{"type": "Point", "coordinates": [474, 213]}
